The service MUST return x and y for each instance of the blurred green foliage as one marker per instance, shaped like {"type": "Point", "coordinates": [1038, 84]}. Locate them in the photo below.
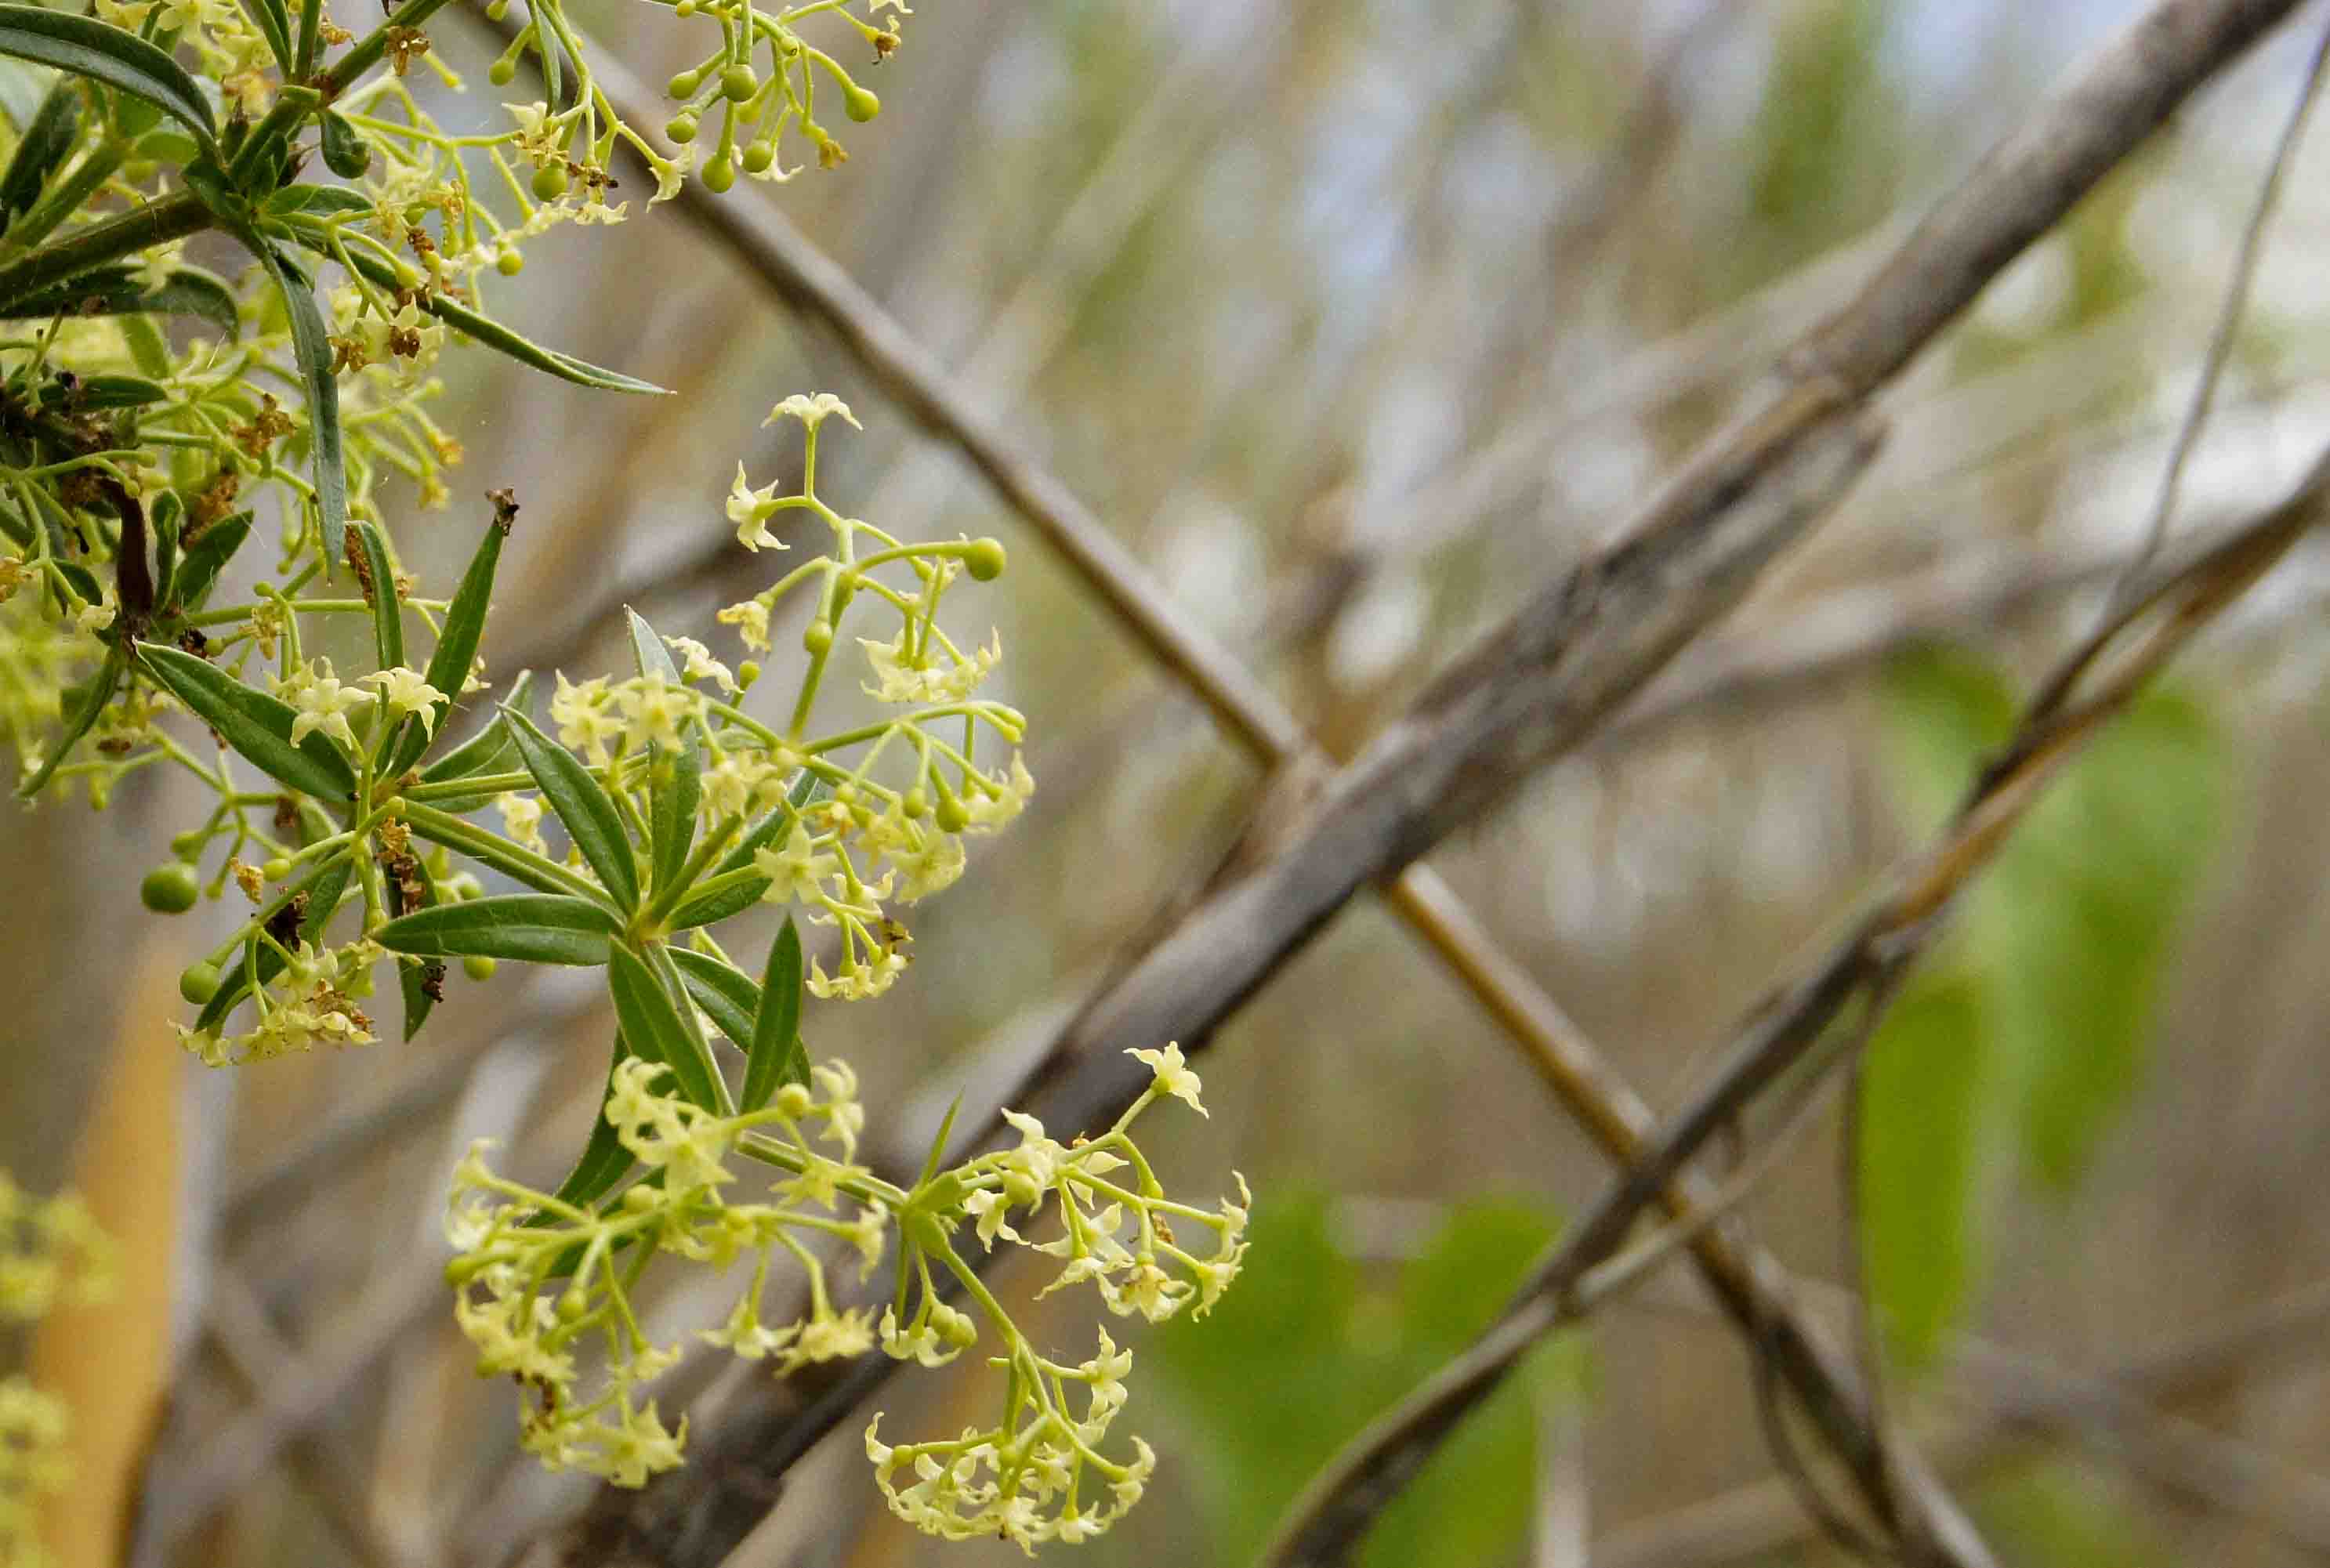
{"type": "Point", "coordinates": [1312, 1344]}
{"type": "Point", "coordinates": [2059, 1516]}
{"type": "Point", "coordinates": [2018, 1046]}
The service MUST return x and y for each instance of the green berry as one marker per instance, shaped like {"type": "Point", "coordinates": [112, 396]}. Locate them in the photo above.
{"type": "Point", "coordinates": [640, 1197]}
{"type": "Point", "coordinates": [738, 83]}
{"type": "Point", "coordinates": [984, 559]}
{"type": "Point", "coordinates": [917, 802]}
{"type": "Point", "coordinates": [719, 174]}
{"type": "Point", "coordinates": [681, 128]}
{"type": "Point", "coordinates": [549, 182]}
{"type": "Point", "coordinates": [951, 816]}
{"type": "Point", "coordinates": [508, 262]}
{"type": "Point", "coordinates": [276, 870]}
{"type": "Point", "coordinates": [572, 1304]}
{"type": "Point", "coordinates": [170, 888]}
{"type": "Point", "coordinates": [684, 85]}
{"type": "Point", "coordinates": [746, 674]}
{"type": "Point", "coordinates": [759, 157]}
{"type": "Point", "coordinates": [477, 967]}
{"type": "Point", "coordinates": [199, 983]}
{"type": "Point", "coordinates": [817, 637]}
{"type": "Point", "coordinates": [860, 104]}
{"type": "Point", "coordinates": [189, 843]}
{"type": "Point", "coordinates": [502, 72]}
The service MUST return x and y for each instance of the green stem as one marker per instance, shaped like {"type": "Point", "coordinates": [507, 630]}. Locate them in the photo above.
{"type": "Point", "coordinates": [171, 218]}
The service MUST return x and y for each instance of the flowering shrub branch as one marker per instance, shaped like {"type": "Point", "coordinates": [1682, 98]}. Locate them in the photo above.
{"type": "Point", "coordinates": [183, 513]}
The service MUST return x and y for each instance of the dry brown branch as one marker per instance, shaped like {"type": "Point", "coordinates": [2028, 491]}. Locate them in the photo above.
{"type": "Point", "coordinates": [1751, 1522]}
{"type": "Point", "coordinates": [2169, 607]}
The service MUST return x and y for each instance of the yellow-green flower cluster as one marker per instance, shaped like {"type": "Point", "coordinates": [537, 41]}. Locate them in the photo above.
{"type": "Point", "coordinates": [52, 1253]}
{"type": "Point", "coordinates": [313, 1000]}
{"type": "Point", "coordinates": [544, 1281]}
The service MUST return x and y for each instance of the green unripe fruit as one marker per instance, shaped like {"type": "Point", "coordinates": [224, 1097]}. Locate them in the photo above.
{"type": "Point", "coordinates": [640, 1198]}
{"type": "Point", "coordinates": [508, 262]}
{"type": "Point", "coordinates": [572, 1304]}
{"type": "Point", "coordinates": [477, 967]}
{"type": "Point", "coordinates": [684, 85]}
{"type": "Point", "coordinates": [746, 674]}
{"type": "Point", "coordinates": [276, 870]}
{"type": "Point", "coordinates": [463, 885]}
{"type": "Point", "coordinates": [189, 843]}
{"type": "Point", "coordinates": [502, 72]}
{"type": "Point", "coordinates": [817, 637]}
{"type": "Point", "coordinates": [860, 104]}
{"type": "Point", "coordinates": [915, 804]}
{"type": "Point", "coordinates": [681, 128]}
{"type": "Point", "coordinates": [719, 174]}
{"type": "Point", "coordinates": [137, 171]}
{"type": "Point", "coordinates": [759, 157]}
{"type": "Point", "coordinates": [170, 889]}
{"type": "Point", "coordinates": [984, 559]}
{"type": "Point", "coordinates": [953, 818]}
{"type": "Point", "coordinates": [199, 983]}
{"type": "Point", "coordinates": [738, 83]}
{"type": "Point", "coordinates": [549, 182]}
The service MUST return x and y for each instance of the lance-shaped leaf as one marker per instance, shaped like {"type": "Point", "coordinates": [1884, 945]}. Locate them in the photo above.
{"type": "Point", "coordinates": [311, 347]}
{"type": "Point", "coordinates": [204, 559]}
{"type": "Point", "coordinates": [482, 328]}
{"type": "Point", "coordinates": [709, 908]}
{"type": "Point", "coordinates": [728, 996]}
{"type": "Point", "coordinates": [457, 646]}
{"type": "Point", "coordinates": [98, 693]}
{"type": "Point", "coordinates": [257, 726]}
{"type": "Point", "coordinates": [582, 805]}
{"type": "Point", "coordinates": [647, 651]}
{"type": "Point", "coordinates": [651, 1023]}
{"type": "Point", "coordinates": [491, 849]}
{"type": "Point", "coordinates": [117, 291]}
{"type": "Point", "coordinates": [535, 928]}
{"type": "Point", "coordinates": [604, 1159]}
{"type": "Point", "coordinates": [415, 982]}
{"type": "Point", "coordinates": [676, 780]}
{"type": "Point", "coordinates": [102, 51]}
{"type": "Point", "coordinates": [777, 1056]}
{"type": "Point", "coordinates": [379, 587]}
{"type": "Point", "coordinates": [51, 135]}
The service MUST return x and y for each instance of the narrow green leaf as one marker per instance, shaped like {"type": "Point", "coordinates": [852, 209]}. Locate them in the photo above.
{"type": "Point", "coordinates": [84, 715]}
{"type": "Point", "coordinates": [604, 1159]}
{"type": "Point", "coordinates": [728, 996]}
{"type": "Point", "coordinates": [148, 348]}
{"type": "Point", "coordinates": [387, 625]}
{"type": "Point", "coordinates": [312, 348]}
{"type": "Point", "coordinates": [254, 724]}
{"type": "Point", "coordinates": [275, 26]}
{"type": "Point", "coordinates": [490, 751]}
{"type": "Point", "coordinates": [651, 1020]}
{"type": "Point", "coordinates": [457, 646]}
{"type": "Point", "coordinates": [1929, 1119]}
{"type": "Point", "coordinates": [492, 334]}
{"type": "Point", "coordinates": [46, 141]}
{"type": "Point", "coordinates": [777, 1056]}
{"type": "Point", "coordinates": [324, 201]}
{"type": "Point", "coordinates": [674, 787]}
{"type": "Point", "coordinates": [102, 51]}
{"type": "Point", "coordinates": [667, 975]}
{"type": "Point", "coordinates": [117, 291]}
{"type": "Point", "coordinates": [206, 557]}
{"type": "Point", "coordinates": [94, 393]}
{"type": "Point", "coordinates": [648, 650]}
{"type": "Point", "coordinates": [532, 927]}
{"type": "Point", "coordinates": [415, 981]}
{"type": "Point", "coordinates": [582, 805]}
{"type": "Point", "coordinates": [442, 827]}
